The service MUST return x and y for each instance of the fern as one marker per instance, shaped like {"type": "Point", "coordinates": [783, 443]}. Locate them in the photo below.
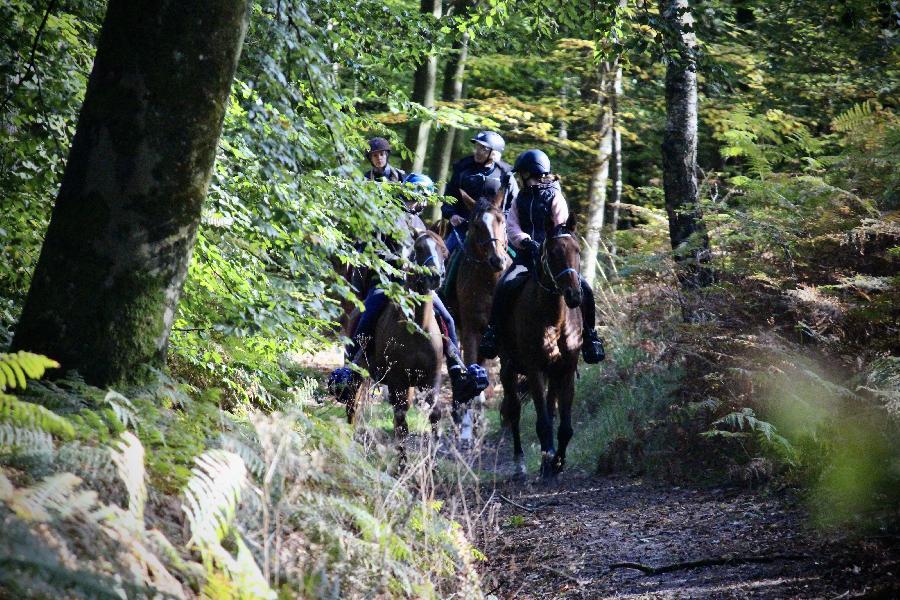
{"type": "Point", "coordinates": [33, 416]}
{"type": "Point", "coordinates": [15, 367]}
{"type": "Point", "coordinates": [123, 408]}
{"type": "Point", "coordinates": [856, 117]}
{"type": "Point", "coordinates": [128, 457]}
{"type": "Point", "coordinates": [25, 441]}
{"type": "Point", "coordinates": [742, 422]}
{"type": "Point", "coordinates": [212, 496]}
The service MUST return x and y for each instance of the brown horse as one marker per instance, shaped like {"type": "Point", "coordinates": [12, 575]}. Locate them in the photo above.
{"type": "Point", "coordinates": [543, 328]}
{"type": "Point", "coordinates": [484, 259]}
{"type": "Point", "coordinates": [404, 357]}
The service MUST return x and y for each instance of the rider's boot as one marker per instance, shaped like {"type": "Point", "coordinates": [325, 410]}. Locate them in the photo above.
{"type": "Point", "coordinates": [466, 383]}
{"type": "Point", "coordinates": [592, 347]}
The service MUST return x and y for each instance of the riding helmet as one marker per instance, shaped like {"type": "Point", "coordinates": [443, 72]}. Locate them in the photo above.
{"type": "Point", "coordinates": [377, 144]}
{"type": "Point", "coordinates": [422, 181]}
{"type": "Point", "coordinates": [533, 161]}
{"type": "Point", "coordinates": [491, 140]}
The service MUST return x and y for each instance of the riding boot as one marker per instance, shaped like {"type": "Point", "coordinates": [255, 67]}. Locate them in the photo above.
{"type": "Point", "coordinates": [591, 344]}
{"type": "Point", "coordinates": [488, 347]}
{"type": "Point", "coordinates": [461, 381]}
{"type": "Point", "coordinates": [592, 347]}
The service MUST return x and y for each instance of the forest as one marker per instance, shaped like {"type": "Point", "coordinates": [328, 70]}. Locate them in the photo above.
{"type": "Point", "coordinates": [254, 277]}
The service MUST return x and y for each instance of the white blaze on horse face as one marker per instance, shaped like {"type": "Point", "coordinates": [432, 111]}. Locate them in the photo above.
{"type": "Point", "coordinates": [433, 250]}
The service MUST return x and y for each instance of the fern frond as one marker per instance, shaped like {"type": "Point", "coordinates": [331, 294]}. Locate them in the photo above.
{"type": "Point", "coordinates": [33, 416]}
{"type": "Point", "coordinates": [250, 456]}
{"type": "Point", "coordinates": [123, 408]}
{"type": "Point", "coordinates": [128, 456]}
{"type": "Point", "coordinates": [25, 441]}
{"type": "Point", "coordinates": [855, 117]}
{"type": "Point", "coordinates": [15, 367]}
{"type": "Point", "coordinates": [53, 493]}
{"type": "Point", "coordinates": [212, 495]}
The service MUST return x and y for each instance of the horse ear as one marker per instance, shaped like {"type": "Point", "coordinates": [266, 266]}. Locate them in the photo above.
{"type": "Point", "coordinates": [549, 226]}
{"type": "Point", "coordinates": [498, 199]}
{"type": "Point", "coordinates": [571, 222]}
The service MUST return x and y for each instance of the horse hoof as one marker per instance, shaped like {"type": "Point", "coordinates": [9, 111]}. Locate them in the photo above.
{"type": "Point", "coordinates": [520, 471]}
{"type": "Point", "coordinates": [548, 473]}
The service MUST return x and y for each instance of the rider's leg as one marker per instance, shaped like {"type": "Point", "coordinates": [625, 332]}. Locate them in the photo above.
{"type": "Point", "coordinates": [374, 303]}
{"type": "Point", "coordinates": [591, 344]}
{"type": "Point", "coordinates": [488, 346]}
{"type": "Point", "coordinates": [463, 382]}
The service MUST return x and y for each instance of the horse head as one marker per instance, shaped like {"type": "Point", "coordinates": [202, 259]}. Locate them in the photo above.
{"type": "Point", "coordinates": [488, 232]}
{"type": "Point", "coordinates": [561, 261]}
{"type": "Point", "coordinates": [430, 253]}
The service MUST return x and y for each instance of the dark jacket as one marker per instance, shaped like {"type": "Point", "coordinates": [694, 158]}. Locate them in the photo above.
{"type": "Point", "coordinates": [390, 174]}
{"type": "Point", "coordinates": [478, 182]}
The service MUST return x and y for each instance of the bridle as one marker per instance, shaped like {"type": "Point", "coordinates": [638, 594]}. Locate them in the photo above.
{"type": "Point", "coordinates": [545, 267]}
{"type": "Point", "coordinates": [432, 258]}
{"type": "Point", "coordinates": [482, 243]}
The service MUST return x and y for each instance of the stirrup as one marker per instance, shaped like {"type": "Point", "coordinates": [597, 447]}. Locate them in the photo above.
{"type": "Point", "coordinates": [592, 348]}
{"type": "Point", "coordinates": [487, 348]}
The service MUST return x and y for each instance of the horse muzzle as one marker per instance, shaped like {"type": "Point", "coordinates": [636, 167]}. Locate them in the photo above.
{"type": "Point", "coordinates": [496, 263]}
{"type": "Point", "coordinates": [573, 297]}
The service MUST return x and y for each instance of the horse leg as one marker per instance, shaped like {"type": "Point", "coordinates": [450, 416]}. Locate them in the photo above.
{"type": "Point", "coordinates": [544, 424]}
{"type": "Point", "coordinates": [352, 400]}
{"type": "Point", "coordinates": [400, 402]}
{"type": "Point", "coordinates": [563, 389]}
{"type": "Point", "coordinates": [511, 412]}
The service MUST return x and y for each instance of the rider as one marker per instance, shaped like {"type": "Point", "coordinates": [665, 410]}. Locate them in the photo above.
{"type": "Point", "coordinates": [541, 197]}
{"type": "Point", "coordinates": [377, 155]}
{"type": "Point", "coordinates": [465, 383]}
{"type": "Point", "coordinates": [479, 176]}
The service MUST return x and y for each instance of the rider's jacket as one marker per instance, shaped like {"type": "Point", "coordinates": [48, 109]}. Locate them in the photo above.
{"type": "Point", "coordinates": [390, 174]}
{"type": "Point", "coordinates": [530, 210]}
{"type": "Point", "coordinates": [478, 182]}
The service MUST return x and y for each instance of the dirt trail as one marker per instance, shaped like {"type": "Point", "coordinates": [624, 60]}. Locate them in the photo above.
{"type": "Point", "coordinates": [562, 540]}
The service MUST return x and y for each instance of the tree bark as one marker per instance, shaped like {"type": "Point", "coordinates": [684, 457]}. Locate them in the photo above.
{"type": "Point", "coordinates": [454, 72]}
{"type": "Point", "coordinates": [116, 253]}
{"type": "Point", "coordinates": [690, 242]}
{"type": "Point", "coordinates": [615, 196]}
{"type": "Point", "coordinates": [600, 178]}
{"type": "Point", "coordinates": [423, 93]}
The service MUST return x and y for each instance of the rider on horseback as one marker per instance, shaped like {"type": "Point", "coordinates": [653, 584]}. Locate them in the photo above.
{"type": "Point", "coordinates": [540, 198]}
{"type": "Point", "coordinates": [377, 155]}
{"type": "Point", "coordinates": [477, 177]}
{"type": "Point", "coordinates": [465, 383]}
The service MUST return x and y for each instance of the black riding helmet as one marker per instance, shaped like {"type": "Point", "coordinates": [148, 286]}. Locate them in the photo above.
{"type": "Point", "coordinates": [533, 161]}
{"type": "Point", "coordinates": [377, 144]}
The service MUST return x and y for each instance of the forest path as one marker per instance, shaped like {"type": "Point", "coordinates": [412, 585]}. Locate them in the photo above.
{"type": "Point", "coordinates": [565, 539]}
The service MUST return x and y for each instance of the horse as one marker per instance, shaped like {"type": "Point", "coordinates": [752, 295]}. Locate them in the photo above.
{"type": "Point", "coordinates": [542, 341]}
{"type": "Point", "coordinates": [403, 357]}
{"type": "Point", "coordinates": [484, 260]}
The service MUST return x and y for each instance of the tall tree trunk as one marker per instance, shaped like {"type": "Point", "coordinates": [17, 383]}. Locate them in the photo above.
{"type": "Point", "coordinates": [615, 196]}
{"type": "Point", "coordinates": [423, 93]}
{"type": "Point", "coordinates": [690, 242]}
{"type": "Point", "coordinates": [600, 178]}
{"type": "Point", "coordinates": [451, 92]}
{"type": "Point", "coordinates": [106, 286]}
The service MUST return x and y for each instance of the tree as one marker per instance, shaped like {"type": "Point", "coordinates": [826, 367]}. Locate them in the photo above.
{"type": "Point", "coordinates": [117, 249]}
{"type": "Point", "coordinates": [454, 70]}
{"type": "Point", "coordinates": [423, 93]}
{"type": "Point", "coordinates": [687, 233]}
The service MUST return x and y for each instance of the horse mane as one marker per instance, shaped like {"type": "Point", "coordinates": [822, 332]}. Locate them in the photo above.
{"type": "Point", "coordinates": [485, 205]}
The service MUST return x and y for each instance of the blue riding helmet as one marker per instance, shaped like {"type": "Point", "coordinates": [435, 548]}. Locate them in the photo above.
{"type": "Point", "coordinates": [421, 181]}
{"type": "Point", "coordinates": [533, 161]}
{"type": "Point", "coordinates": [491, 140]}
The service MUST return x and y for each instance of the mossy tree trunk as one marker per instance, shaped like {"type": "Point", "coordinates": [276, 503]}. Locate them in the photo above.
{"type": "Point", "coordinates": [690, 242]}
{"type": "Point", "coordinates": [106, 287]}
{"type": "Point", "coordinates": [417, 132]}
{"type": "Point", "coordinates": [615, 161]}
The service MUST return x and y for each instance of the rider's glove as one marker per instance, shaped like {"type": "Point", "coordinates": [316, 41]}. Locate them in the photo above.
{"type": "Point", "coordinates": [532, 249]}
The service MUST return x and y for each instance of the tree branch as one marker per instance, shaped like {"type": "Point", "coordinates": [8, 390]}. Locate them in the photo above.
{"type": "Point", "coordinates": [706, 562]}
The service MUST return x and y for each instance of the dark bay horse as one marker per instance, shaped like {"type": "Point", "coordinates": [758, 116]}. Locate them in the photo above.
{"type": "Point", "coordinates": [542, 341]}
{"type": "Point", "coordinates": [403, 357]}
{"type": "Point", "coordinates": [484, 260]}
